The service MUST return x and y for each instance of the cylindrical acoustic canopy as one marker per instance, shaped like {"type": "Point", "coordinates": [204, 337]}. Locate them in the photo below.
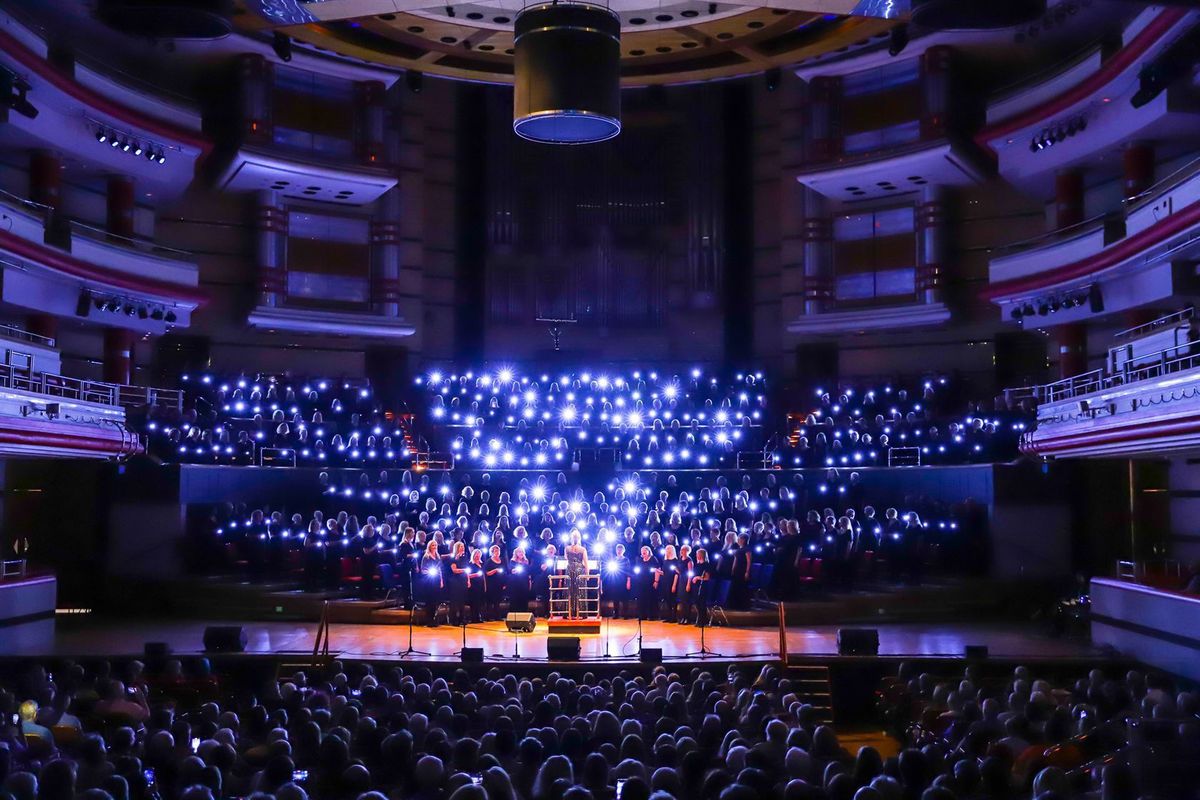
{"type": "Point", "coordinates": [568, 87]}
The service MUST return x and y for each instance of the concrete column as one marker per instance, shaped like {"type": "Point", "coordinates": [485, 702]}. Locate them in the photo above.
{"type": "Point", "coordinates": [818, 254]}
{"type": "Point", "coordinates": [270, 248]}
{"type": "Point", "coordinates": [823, 117]}
{"type": "Point", "coordinates": [255, 102]}
{"type": "Point", "coordinates": [1071, 340]}
{"type": "Point", "coordinates": [385, 256]}
{"type": "Point", "coordinates": [370, 115]}
{"type": "Point", "coordinates": [119, 197]}
{"type": "Point", "coordinates": [45, 178]}
{"type": "Point", "coordinates": [931, 244]}
{"type": "Point", "coordinates": [1137, 161]}
{"type": "Point", "coordinates": [936, 65]}
{"type": "Point", "coordinates": [118, 355]}
{"type": "Point", "coordinates": [1068, 198]}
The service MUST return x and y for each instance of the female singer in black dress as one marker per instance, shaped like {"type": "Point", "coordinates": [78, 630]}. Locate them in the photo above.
{"type": "Point", "coordinates": [520, 575]}
{"type": "Point", "coordinates": [616, 581]}
{"type": "Point", "coordinates": [314, 556]}
{"type": "Point", "coordinates": [702, 585]}
{"type": "Point", "coordinates": [457, 581]}
{"type": "Point", "coordinates": [476, 586]}
{"type": "Point", "coordinates": [646, 572]}
{"type": "Point", "coordinates": [683, 585]}
{"type": "Point", "coordinates": [666, 583]}
{"type": "Point", "coordinates": [407, 556]}
{"type": "Point", "coordinates": [494, 572]}
{"type": "Point", "coordinates": [430, 583]}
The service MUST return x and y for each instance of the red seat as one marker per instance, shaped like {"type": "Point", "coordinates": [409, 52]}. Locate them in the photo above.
{"type": "Point", "coordinates": [350, 570]}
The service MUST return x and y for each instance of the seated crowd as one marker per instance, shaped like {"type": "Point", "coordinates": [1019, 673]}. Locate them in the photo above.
{"type": "Point", "coordinates": [1098, 736]}
{"type": "Point", "coordinates": [665, 547]}
{"type": "Point", "coordinates": [501, 418]}
{"type": "Point", "coordinates": [356, 731]}
{"type": "Point", "coordinates": [860, 426]}
{"type": "Point", "coordinates": [247, 420]}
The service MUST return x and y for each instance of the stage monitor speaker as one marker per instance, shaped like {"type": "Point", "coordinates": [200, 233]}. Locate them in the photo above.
{"type": "Point", "coordinates": [976, 651]}
{"type": "Point", "coordinates": [520, 622]}
{"type": "Point", "coordinates": [472, 655]}
{"type": "Point", "coordinates": [650, 655]}
{"type": "Point", "coordinates": [224, 639]}
{"type": "Point", "coordinates": [563, 648]}
{"type": "Point", "coordinates": [858, 642]}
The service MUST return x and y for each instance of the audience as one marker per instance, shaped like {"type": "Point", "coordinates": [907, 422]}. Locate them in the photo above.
{"type": "Point", "coordinates": [689, 732]}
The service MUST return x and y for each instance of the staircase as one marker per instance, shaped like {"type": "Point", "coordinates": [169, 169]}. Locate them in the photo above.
{"type": "Point", "coordinates": [813, 687]}
{"type": "Point", "coordinates": [422, 457]}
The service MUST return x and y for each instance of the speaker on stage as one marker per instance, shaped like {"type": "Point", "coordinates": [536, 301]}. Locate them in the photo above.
{"type": "Point", "coordinates": [858, 642]}
{"type": "Point", "coordinates": [472, 655]}
{"type": "Point", "coordinates": [650, 655]}
{"type": "Point", "coordinates": [520, 622]}
{"type": "Point", "coordinates": [224, 639]}
{"type": "Point", "coordinates": [563, 648]}
{"type": "Point", "coordinates": [975, 651]}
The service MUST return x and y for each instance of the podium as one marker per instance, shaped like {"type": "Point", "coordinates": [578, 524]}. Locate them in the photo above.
{"type": "Point", "coordinates": [588, 618]}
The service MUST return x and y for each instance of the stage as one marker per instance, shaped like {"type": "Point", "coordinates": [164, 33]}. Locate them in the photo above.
{"type": "Point", "coordinates": [617, 641]}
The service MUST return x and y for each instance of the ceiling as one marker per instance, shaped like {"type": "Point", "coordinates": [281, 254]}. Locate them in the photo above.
{"type": "Point", "coordinates": [671, 41]}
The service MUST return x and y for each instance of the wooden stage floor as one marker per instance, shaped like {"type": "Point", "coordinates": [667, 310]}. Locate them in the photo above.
{"type": "Point", "coordinates": [618, 639]}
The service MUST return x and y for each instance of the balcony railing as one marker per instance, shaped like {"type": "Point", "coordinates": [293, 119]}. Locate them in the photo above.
{"type": "Point", "coordinates": [47, 383]}
{"type": "Point", "coordinates": [150, 397]}
{"type": "Point", "coordinates": [22, 335]}
{"type": "Point", "coordinates": [1139, 331]}
{"type": "Point", "coordinates": [1171, 360]}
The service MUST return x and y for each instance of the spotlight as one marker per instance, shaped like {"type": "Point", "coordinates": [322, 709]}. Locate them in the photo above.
{"type": "Point", "coordinates": [1027, 310]}
{"type": "Point", "coordinates": [450, 11]}
{"type": "Point", "coordinates": [170, 316]}
{"type": "Point", "coordinates": [130, 310]}
{"type": "Point", "coordinates": [114, 142]}
{"type": "Point", "coordinates": [1043, 309]}
{"type": "Point", "coordinates": [771, 77]}
{"type": "Point", "coordinates": [162, 158]}
{"type": "Point", "coordinates": [414, 81]}
{"type": "Point", "coordinates": [143, 312]}
{"type": "Point", "coordinates": [137, 149]}
{"type": "Point", "coordinates": [1016, 314]}
{"type": "Point", "coordinates": [1055, 305]}
{"type": "Point", "coordinates": [101, 135]}
{"type": "Point", "coordinates": [125, 145]}
{"type": "Point", "coordinates": [282, 45]}
{"type": "Point", "coordinates": [150, 154]}
{"type": "Point", "coordinates": [112, 305]}
{"type": "Point", "coordinates": [898, 40]}
{"type": "Point", "coordinates": [156, 315]}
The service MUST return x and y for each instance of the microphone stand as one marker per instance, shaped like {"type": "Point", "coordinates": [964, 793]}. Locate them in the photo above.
{"type": "Point", "coordinates": [703, 652]}
{"type": "Point", "coordinates": [412, 612]}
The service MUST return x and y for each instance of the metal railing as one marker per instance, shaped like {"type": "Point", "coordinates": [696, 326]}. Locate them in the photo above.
{"type": "Point", "coordinates": [1169, 360]}
{"type": "Point", "coordinates": [142, 245]}
{"type": "Point", "coordinates": [47, 383]}
{"type": "Point", "coordinates": [22, 335]}
{"type": "Point", "coordinates": [150, 397]}
{"type": "Point", "coordinates": [14, 568]}
{"type": "Point", "coordinates": [1181, 315]}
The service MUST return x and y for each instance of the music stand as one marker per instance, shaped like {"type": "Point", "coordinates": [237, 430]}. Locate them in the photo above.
{"type": "Point", "coordinates": [555, 327]}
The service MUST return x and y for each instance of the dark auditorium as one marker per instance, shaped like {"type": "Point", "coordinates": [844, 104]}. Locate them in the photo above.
{"type": "Point", "coordinates": [599, 400]}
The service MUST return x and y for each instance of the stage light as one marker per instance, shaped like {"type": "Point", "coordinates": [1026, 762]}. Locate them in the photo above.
{"type": "Point", "coordinates": [281, 43]}
{"type": "Point", "coordinates": [101, 136]}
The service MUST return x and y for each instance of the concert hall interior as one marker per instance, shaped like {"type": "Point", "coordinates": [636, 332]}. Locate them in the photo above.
{"type": "Point", "coordinates": [599, 400]}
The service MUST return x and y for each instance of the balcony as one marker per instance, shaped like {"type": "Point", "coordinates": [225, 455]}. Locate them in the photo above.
{"type": "Point", "coordinates": [257, 168]}
{"type": "Point", "coordinates": [1137, 255]}
{"type": "Point", "coordinates": [1094, 89]}
{"type": "Point", "coordinates": [73, 106]}
{"type": "Point", "coordinates": [48, 267]}
{"type": "Point", "coordinates": [1147, 406]}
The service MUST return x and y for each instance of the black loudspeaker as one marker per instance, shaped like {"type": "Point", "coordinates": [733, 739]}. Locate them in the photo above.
{"type": "Point", "coordinates": [975, 651]}
{"type": "Point", "coordinates": [520, 622]}
{"type": "Point", "coordinates": [1095, 299]}
{"type": "Point", "coordinates": [224, 639]}
{"type": "Point", "coordinates": [650, 655]}
{"type": "Point", "coordinates": [858, 642]}
{"type": "Point", "coordinates": [472, 655]}
{"type": "Point", "coordinates": [563, 648]}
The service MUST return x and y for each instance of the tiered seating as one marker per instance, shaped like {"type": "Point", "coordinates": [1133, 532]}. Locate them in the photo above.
{"type": "Point", "coordinates": [503, 419]}
{"type": "Point", "coordinates": [900, 425]}
{"type": "Point", "coordinates": [279, 420]}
